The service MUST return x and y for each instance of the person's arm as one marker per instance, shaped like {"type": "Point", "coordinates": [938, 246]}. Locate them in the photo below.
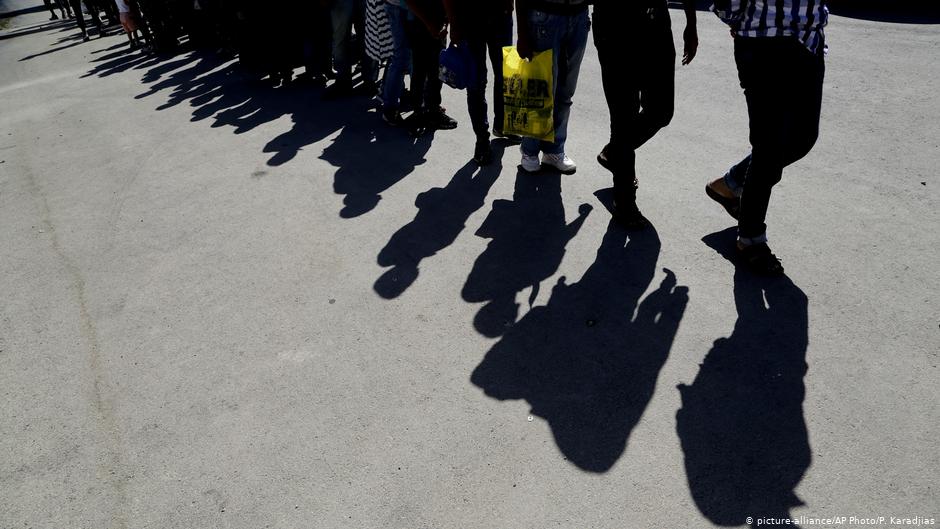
{"type": "Point", "coordinates": [690, 35]}
{"type": "Point", "coordinates": [437, 28]}
{"type": "Point", "coordinates": [524, 41]}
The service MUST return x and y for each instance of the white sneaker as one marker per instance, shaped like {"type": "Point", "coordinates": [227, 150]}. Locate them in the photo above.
{"type": "Point", "coordinates": [561, 162]}
{"type": "Point", "coordinates": [531, 164]}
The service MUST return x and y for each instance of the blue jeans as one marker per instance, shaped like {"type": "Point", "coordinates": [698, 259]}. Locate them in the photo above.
{"type": "Point", "coordinates": [395, 74]}
{"type": "Point", "coordinates": [566, 36]}
{"type": "Point", "coordinates": [341, 18]}
{"type": "Point", "coordinates": [492, 34]}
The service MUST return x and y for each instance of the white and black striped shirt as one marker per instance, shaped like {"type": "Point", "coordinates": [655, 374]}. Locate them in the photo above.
{"type": "Point", "coordinates": [802, 19]}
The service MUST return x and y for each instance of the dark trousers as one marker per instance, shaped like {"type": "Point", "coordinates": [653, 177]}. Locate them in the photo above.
{"type": "Point", "coordinates": [425, 56]}
{"type": "Point", "coordinates": [638, 59]}
{"type": "Point", "coordinates": [782, 83]}
{"type": "Point", "coordinates": [487, 40]}
{"type": "Point", "coordinates": [80, 19]}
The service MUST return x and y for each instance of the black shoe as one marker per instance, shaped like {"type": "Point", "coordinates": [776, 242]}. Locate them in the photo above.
{"type": "Point", "coordinates": [416, 124]}
{"type": "Point", "coordinates": [626, 212]}
{"type": "Point", "coordinates": [483, 153]}
{"type": "Point", "coordinates": [85, 37]}
{"type": "Point", "coordinates": [760, 259]}
{"type": "Point", "coordinates": [54, 17]}
{"type": "Point", "coordinates": [393, 118]}
{"type": "Point", "coordinates": [439, 120]}
{"type": "Point", "coordinates": [607, 158]}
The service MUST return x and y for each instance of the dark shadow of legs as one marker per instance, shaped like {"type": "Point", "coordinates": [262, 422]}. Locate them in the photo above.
{"type": "Point", "coordinates": [741, 424]}
{"type": "Point", "coordinates": [442, 216]}
{"type": "Point", "coordinates": [528, 236]}
{"type": "Point", "coordinates": [370, 158]}
{"type": "Point", "coordinates": [584, 362]}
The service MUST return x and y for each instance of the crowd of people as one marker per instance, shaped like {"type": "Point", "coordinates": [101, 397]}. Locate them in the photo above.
{"type": "Point", "coordinates": [779, 51]}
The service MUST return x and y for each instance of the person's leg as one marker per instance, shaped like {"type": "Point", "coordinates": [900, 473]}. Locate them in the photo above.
{"type": "Point", "coordinates": [619, 58]}
{"type": "Point", "coordinates": [783, 87]}
{"type": "Point", "coordinates": [395, 73]}
{"type": "Point", "coordinates": [573, 41]}
{"type": "Point", "coordinates": [545, 33]}
{"type": "Point", "coordinates": [476, 94]}
{"type": "Point", "coordinates": [657, 78]}
{"type": "Point", "coordinates": [341, 18]}
{"type": "Point", "coordinates": [93, 14]}
{"type": "Point", "coordinates": [48, 4]}
{"type": "Point", "coordinates": [621, 46]}
{"type": "Point", "coordinates": [79, 18]}
{"type": "Point", "coordinates": [499, 35]}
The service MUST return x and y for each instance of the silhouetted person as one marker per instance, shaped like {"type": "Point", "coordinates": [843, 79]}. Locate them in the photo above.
{"type": "Point", "coordinates": [638, 59]}
{"type": "Point", "coordinates": [741, 424]}
{"type": "Point", "coordinates": [484, 27]}
{"type": "Point", "coordinates": [781, 68]}
{"type": "Point", "coordinates": [427, 33]}
{"type": "Point", "coordinates": [583, 361]}
{"type": "Point", "coordinates": [62, 5]}
{"type": "Point", "coordinates": [80, 19]}
{"type": "Point", "coordinates": [561, 26]}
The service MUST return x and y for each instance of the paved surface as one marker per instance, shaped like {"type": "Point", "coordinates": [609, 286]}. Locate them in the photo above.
{"type": "Point", "coordinates": [227, 305]}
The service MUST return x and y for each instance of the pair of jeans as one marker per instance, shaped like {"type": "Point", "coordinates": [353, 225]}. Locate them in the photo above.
{"type": "Point", "coordinates": [566, 36]}
{"type": "Point", "coordinates": [638, 60]}
{"type": "Point", "coordinates": [487, 39]}
{"type": "Point", "coordinates": [401, 57]}
{"type": "Point", "coordinates": [341, 19]}
{"type": "Point", "coordinates": [426, 81]}
{"type": "Point", "coordinates": [782, 81]}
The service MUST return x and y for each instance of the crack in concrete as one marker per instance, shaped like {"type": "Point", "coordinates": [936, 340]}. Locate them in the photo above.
{"type": "Point", "coordinates": [110, 468]}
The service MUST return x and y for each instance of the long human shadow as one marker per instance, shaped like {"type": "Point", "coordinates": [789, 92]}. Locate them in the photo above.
{"type": "Point", "coordinates": [442, 215]}
{"type": "Point", "coordinates": [528, 236]}
{"type": "Point", "coordinates": [588, 361]}
{"type": "Point", "coordinates": [741, 424]}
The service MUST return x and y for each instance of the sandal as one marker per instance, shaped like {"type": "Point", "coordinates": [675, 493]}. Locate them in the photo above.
{"type": "Point", "coordinates": [731, 205]}
{"type": "Point", "coordinates": [760, 259]}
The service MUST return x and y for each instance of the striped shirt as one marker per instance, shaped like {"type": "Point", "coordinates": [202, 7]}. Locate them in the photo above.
{"type": "Point", "coordinates": [802, 19]}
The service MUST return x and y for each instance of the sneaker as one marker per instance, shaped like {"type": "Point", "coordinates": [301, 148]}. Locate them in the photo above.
{"type": "Point", "coordinates": [760, 259]}
{"type": "Point", "coordinates": [393, 118]}
{"type": "Point", "coordinates": [625, 210]}
{"type": "Point", "coordinates": [438, 119]}
{"type": "Point", "coordinates": [482, 152]}
{"type": "Point", "coordinates": [531, 163]}
{"type": "Point", "coordinates": [561, 162]}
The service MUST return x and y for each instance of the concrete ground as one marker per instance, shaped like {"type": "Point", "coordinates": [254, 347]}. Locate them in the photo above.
{"type": "Point", "coordinates": [230, 305]}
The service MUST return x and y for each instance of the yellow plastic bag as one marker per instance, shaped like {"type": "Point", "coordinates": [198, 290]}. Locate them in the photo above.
{"type": "Point", "coordinates": [528, 95]}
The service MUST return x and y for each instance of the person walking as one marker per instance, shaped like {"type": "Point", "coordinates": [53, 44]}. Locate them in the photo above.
{"type": "Point", "coordinates": [638, 59]}
{"type": "Point", "coordinates": [779, 50]}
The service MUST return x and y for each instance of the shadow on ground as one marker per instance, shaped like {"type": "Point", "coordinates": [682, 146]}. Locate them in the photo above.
{"type": "Point", "coordinates": [587, 362]}
{"type": "Point", "coordinates": [741, 425]}
{"type": "Point", "coordinates": [442, 215]}
{"type": "Point", "coordinates": [528, 236]}
{"type": "Point", "coordinates": [370, 156]}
